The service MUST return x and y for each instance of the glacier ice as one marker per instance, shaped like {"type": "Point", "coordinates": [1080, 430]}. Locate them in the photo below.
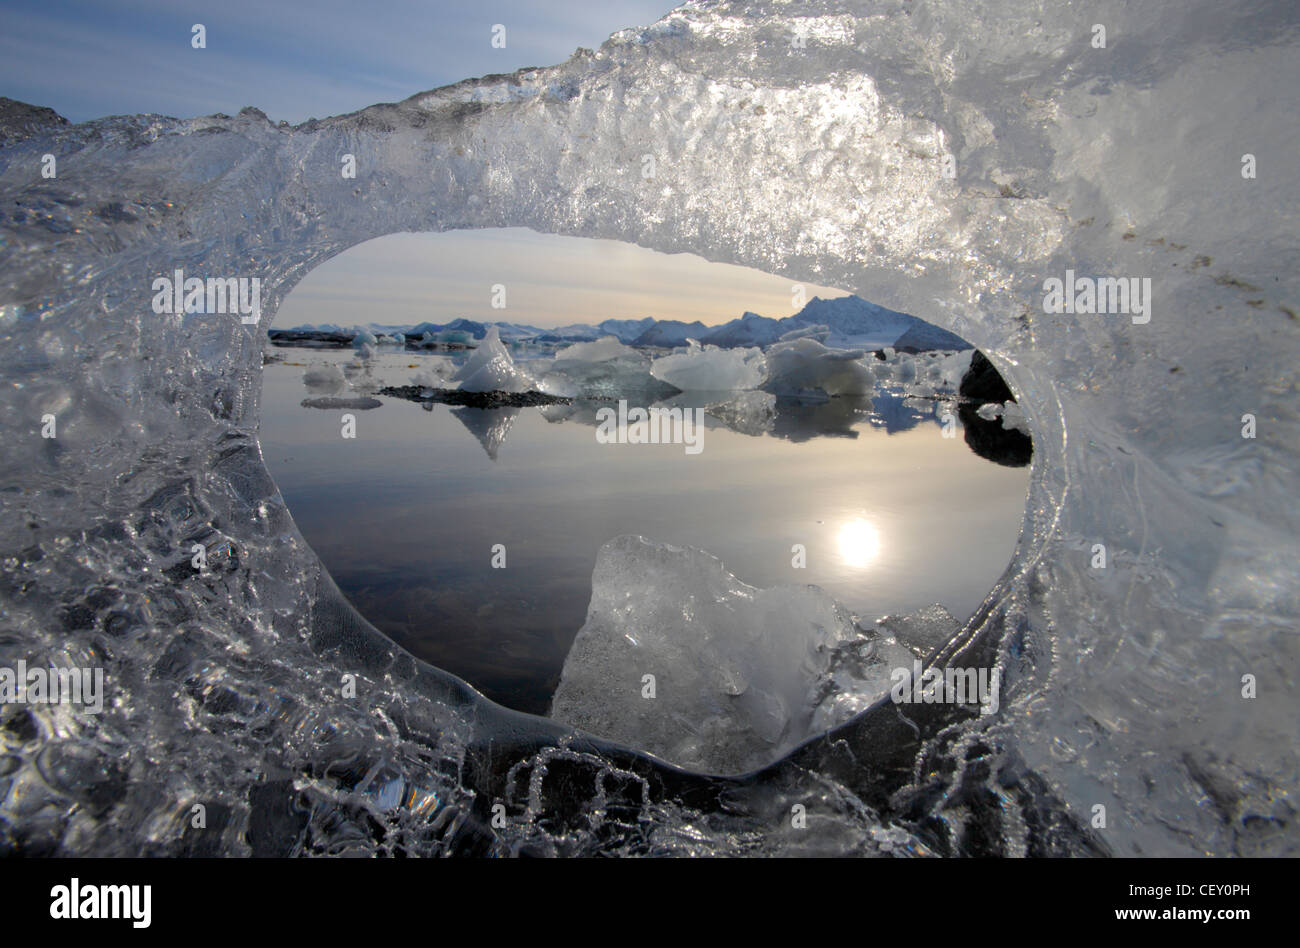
{"type": "Point", "coordinates": [603, 368]}
{"type": "Point", "coordinates": [491, 369]}
{"type": "Point", "coordinates": [738, 676]}
{"type": "Point", "coordinates": [1121, 686]}
{"type": "Point", "coordinates": [697, 368]}
{"type": "Point", "coordinates": [435, 372]}
{"type": "Point", "coordinates": [924, 630]}
{"type": "Point", "coordinates": [324, 379]}
{"type": "Point", "coordinates": [803, 365]}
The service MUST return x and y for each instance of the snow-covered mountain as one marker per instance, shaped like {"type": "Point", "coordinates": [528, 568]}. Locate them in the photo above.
{"type": "Point", "coordinates": [749, 330]}
{"type": "Point", "coordinates": [670, 333]}
{"type": "Point", "coordinates": [625, 330]}
{"type": "Point", "coordinates": [853, 322]}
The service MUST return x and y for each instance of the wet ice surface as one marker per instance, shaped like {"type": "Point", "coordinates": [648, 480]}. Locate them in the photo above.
{"type": "Point", "coordinates": [680, 658]}
{"type": "Point", "coordinates": [1121, 687]}
{"type": "Point", "coordinates": [405, 516]}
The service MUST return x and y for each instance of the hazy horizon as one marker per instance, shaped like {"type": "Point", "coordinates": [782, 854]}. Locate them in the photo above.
{"type": "Point", "coordinates": [551, 281]}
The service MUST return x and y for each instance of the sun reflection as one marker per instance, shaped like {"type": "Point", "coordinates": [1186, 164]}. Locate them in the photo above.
{"type": "Point", "coordinates": [859, 542]}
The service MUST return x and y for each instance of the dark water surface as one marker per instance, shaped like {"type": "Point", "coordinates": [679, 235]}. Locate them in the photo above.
{"type": "Point", "coordinates": [405, 515]}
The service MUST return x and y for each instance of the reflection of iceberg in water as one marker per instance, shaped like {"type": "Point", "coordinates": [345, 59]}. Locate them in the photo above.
{"type": "Point", "coordinates": [756, 413]}
{"type": "Point", "coordinates": [895, 412]}
{"type": "Point", "coordinates": [489, 425]}
{"type": "Point", "coordinates": [802, 420]}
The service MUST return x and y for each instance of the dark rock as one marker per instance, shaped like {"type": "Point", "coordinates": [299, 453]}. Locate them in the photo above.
{"type": "Point", "coordinates": [418, 393]}
{"type": "Point", "coordinates": [982, 382]}
{"type": "Point", "coordinates": [352, 404]}
{"type": "Point", "coordinates": [19, 121]}
{"type": "Point", "coordinates": [988, 439]}
{"type": "Point", "coordinates": [309, 338]}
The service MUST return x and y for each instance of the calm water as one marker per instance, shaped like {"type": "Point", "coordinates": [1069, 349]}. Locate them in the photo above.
{"type": "Point", "coordinates": [405, 515]}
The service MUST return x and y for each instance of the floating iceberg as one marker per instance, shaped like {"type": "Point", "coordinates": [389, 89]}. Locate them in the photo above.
{"type": "Point", "coordinates": [435, 372]}
{"type": "Point", "coordinates": [709, 369]}
{"type": "Point", "coordinates": [803, 365]}
{"type": "Point", "coordinates": [324, 379]}
{"type": "Point", "coordinates": [604, 368]}
{"type": "Point", "coordinates": [491, 369]}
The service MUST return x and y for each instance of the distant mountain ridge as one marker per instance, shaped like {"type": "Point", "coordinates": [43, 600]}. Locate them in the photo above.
{"type": "Point", "coordinates": [849, 322]}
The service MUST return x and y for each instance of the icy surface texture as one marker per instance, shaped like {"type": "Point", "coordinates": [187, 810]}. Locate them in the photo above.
{"type": "Point", "coordinates": [824, 163]}
{"type": "Point", "coordinates": [324, 380]}
{"type": "Point", "coordinates": [923, 631]}
{"type": "Point", "coordinates": [710, 369]}
{"type": "Point", "coordinates": [491, 369]}
{"type": "Point", "coordinates": [604, 368]}
{"type": "Point", "coordinates": [738, 676]}
{"type": "Point", "coordinates": [805, 365]}
{"type": "Point", "coordinates": [1012, 417]}
{"type": "Point", "coordinates": [435, 372]}
{"type": "Point", "coordinates": [751, 413]}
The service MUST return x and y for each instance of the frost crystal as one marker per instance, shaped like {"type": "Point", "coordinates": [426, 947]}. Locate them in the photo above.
{"type": "Point", "coordinates": [939, 158]}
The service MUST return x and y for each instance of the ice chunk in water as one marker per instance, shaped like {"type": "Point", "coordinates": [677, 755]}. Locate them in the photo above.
{"type": "Point", "coordinates": [437, 372]}
{"type": "Point", "coordinates": [604, 349]}
{"type": "Point", "coordinates": [740, 674]}
{"type": "Point", "coordinates": [490, 369]}
{"type": "Point", "coordinates": [803, 365]}
{"type": "Point", "coordinates": [604, 368]}
{"type": "Point", "coordinates": [324, 380]}
{"type": "Point", "coordinates": [1013, 419]}
{"type": "Point", "coordinates": [709, 369]}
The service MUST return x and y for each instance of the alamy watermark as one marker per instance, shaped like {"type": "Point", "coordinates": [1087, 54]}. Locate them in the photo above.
{"type": "Point", "coordinates": [651, 426]}
{"type": "Point", "coordinates": [40, 685]}
{"type": "Point", "coordinates": [1106, 295]}
{"type": "Point", "coordinates": [947, 686]}
{"type": "Point", "coordinates": [80, 901]}
{"type": "Point", "coordinates": [181, 294]}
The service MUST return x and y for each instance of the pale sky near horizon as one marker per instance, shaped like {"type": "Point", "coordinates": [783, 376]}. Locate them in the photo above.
{"type": "Point", "coordinates": [550, 281]}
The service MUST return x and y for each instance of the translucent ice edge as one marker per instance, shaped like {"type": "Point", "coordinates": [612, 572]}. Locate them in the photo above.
{"type": "Point", "coordinates": [822, 160]}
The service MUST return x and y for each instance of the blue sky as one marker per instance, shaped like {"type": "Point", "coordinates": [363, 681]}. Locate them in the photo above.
{"type": "Point", "coordinates": [294, 61]}
{"type": "Point", "coordinates": [91, 58]}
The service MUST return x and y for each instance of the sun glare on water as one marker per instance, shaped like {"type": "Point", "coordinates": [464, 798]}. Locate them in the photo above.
{"type": "Point", "coordinates": [859, 542]}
